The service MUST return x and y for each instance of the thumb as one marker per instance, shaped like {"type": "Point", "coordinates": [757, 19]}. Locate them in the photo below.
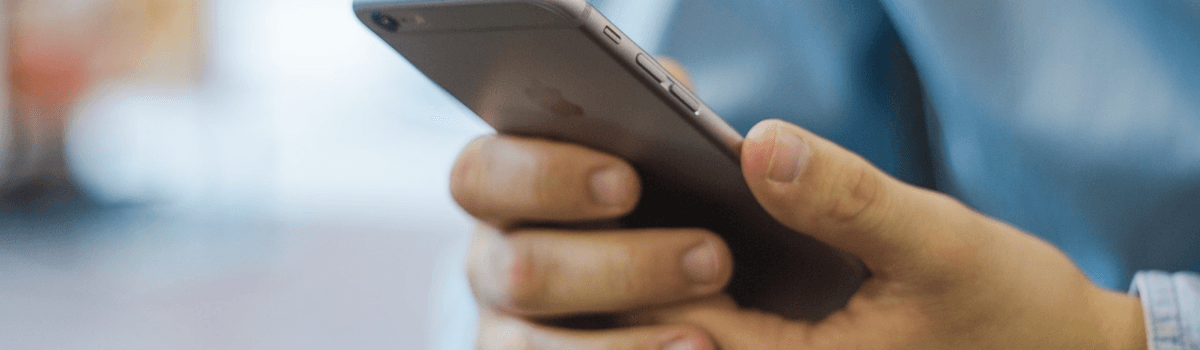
{"type": "Point", "coordinates": [814, 186]}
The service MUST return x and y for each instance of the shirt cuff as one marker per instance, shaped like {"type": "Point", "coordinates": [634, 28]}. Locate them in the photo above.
{"type": "Point", "coordinates": [1170, 307]}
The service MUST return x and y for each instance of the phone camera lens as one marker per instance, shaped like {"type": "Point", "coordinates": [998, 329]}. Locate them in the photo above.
{"type": "Point", "coordinates": [384, 21]}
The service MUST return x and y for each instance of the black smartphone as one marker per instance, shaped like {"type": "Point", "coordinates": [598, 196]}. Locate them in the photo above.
{"type": "Point", "coordinates": [558, 69]}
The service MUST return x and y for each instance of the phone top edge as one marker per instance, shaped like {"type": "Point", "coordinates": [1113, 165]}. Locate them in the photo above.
{"type": "Point", "coordinates": [386, 17]}
{"type": "Point", "coordinates": [574, 9]}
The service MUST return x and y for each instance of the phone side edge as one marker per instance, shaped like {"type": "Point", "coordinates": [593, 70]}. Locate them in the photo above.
{"type": "Point", "coordinates": [705, 120]}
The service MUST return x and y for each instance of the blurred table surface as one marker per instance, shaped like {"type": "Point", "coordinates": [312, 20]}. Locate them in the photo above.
{"type": "Point", "coordinates": [298, 199]}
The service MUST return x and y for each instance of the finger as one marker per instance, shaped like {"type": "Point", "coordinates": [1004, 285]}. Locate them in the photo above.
{"type": "Point", "coordinates": [499, 332]}
{"type": "Point", "coordinates": [819, 188]}
{"type": "Point", "coordinates": [507, 178]}
{"type": "Point", "coordinates": [732, 328]}
{"type": "Point", "coordinates": [546, 273]}
{"type": "Point", "coordinates": [676, 70]}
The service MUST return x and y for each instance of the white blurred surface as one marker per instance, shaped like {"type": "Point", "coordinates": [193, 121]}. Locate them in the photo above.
{"type": "Point", "coordinates": [298, 200]}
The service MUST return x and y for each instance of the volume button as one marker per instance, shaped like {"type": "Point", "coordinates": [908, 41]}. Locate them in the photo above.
{"type": "Point", "coordinates": [612, 34]}
{"type": "Point", "coordinates": [651, 66]}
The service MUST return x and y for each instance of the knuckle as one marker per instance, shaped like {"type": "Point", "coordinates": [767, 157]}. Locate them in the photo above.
{"type": "Point", "coordinates": [505, 274]}
{"type": "Point", "coordinates": [698, 337]}
{"type": "Point", "coordinates": [855, 194]}
{"type": "Point", "coordinates": [524, 275]}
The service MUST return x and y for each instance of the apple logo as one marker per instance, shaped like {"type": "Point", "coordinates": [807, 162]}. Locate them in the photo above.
{"type": "Point", "coordinates": [552, 100]}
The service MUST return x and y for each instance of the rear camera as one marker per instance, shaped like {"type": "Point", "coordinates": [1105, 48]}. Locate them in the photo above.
{"type": "Point", "coordinates": [384, 21]}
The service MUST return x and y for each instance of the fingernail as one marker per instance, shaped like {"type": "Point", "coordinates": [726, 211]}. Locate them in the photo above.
{"type": "Point", "coordinates": [788, 158]}
{"type": "Point", "coordinates": [682, 344]}
{"type": "Point", "coordinates": [701, 262]}
{"type": "Point", "coordinates": [608, 186]}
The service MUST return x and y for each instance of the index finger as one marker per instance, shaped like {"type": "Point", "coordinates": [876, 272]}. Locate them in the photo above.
{"type": "Point", "coordinates": [504, 179]}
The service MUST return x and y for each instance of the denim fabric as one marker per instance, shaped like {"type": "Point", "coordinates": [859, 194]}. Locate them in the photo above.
{"type": "Point", "coordinates": [1171, 305]}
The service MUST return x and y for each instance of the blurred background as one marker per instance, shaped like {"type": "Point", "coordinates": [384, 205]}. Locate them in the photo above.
{"type": "Point", "coordinates": [220, 174]}
{"type": "Point", "coordinates": [230, 174]}
{"type": "Point", "coordinates": [249, 174]}
{"type": "Point", "coordinates": [267, 174]}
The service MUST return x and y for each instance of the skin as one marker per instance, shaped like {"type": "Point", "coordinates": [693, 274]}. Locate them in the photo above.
{"type": "Point", "coordinates": [944, 276]}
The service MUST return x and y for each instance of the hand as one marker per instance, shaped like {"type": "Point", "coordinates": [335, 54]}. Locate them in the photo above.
{"type": "Point", "coordinates": [525, 278]}
{"type": "Point", "coordinates": [944, 276]}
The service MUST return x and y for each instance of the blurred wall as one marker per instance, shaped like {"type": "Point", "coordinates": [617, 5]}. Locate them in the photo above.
{"type": "Point", "coordinates": [269, 176]}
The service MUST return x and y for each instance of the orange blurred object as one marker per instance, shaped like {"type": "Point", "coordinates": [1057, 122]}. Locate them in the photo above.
{"type": "Point", "coordinates": [165, 40]}
{"type": "Point", "coordinates": [61, 49]}
{"type": "Point", "coordinates": [47, 72]}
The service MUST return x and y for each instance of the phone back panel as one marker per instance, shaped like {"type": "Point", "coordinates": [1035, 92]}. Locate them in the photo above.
{"type": "Point", "coordinates": [554, 70]}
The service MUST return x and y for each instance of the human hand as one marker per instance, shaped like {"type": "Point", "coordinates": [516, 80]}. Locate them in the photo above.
{"type": "Point", "coordinates": [944, 276]}
{"type": "Point", "coordinates": [525, 279]}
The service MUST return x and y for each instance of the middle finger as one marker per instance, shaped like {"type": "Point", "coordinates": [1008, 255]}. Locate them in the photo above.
{"type": "Point", "coordinates": [547, 273]}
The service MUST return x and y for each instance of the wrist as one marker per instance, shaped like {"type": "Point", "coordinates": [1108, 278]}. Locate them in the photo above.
{"type": "Point", "coordinates": [1123, 326]}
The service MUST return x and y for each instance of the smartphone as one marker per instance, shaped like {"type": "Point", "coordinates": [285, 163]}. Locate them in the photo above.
{"type": "Point", "coordinates": [559, 70]}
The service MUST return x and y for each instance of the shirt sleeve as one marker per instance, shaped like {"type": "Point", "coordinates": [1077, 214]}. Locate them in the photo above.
{"type": "Point", "coordinates": [1171, 307]}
